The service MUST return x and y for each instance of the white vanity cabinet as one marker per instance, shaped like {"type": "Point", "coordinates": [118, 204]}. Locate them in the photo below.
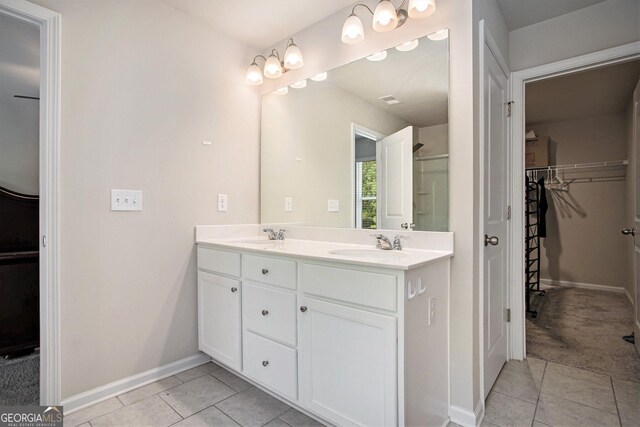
{"type": "Point", "coordinates": [354, 345]}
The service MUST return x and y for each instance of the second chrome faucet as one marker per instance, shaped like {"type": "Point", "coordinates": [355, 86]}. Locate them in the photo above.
{"type": "Point", "coordinates": [385, 244]}
{"type": "Point", "coordinates": [273, 235]}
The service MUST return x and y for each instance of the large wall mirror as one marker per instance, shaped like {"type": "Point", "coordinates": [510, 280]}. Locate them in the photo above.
{"type": "Point", "coordinates": [365, 147]}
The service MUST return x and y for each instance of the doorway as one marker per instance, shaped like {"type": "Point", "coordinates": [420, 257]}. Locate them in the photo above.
{"type": "Point", "coordinates": [48, 23]}
{"type": "Point", "coordinates": [578, 266]}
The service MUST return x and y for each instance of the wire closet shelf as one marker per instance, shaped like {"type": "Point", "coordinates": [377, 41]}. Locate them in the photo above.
{"type": "Point", "coordinates": [580, 172]}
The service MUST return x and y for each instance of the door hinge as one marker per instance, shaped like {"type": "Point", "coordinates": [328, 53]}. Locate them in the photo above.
{"type": "Point", "coordinates": [509, 108]}
{"type": "Point", "coordinates": [507, 314]}
{"type": "Point", "coordinates": [509, 212]}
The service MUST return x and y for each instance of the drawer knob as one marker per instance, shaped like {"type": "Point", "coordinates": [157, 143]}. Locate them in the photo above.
{"type": "Point", "coordinates": [234, 289]}
{"type": "Point", "coordinates": [265, 271]}
{"type": "Point", "coordinates": [265, 312]}
{"type": "Point", "coordinates": [303, 308]}
{"type": "Point", "coordinates": [265, 363]}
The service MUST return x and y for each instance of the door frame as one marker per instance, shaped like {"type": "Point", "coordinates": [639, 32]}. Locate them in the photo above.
{"type": "Point", "coordinates": [49, 23]}
{"type": "Point", "coordinates": [589, 61]}
{"type": "Point", "coordinates": [485, 38]}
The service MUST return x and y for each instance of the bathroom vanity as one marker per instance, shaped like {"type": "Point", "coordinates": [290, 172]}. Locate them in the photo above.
{"type": "Point", "coordinates": [349, 333]}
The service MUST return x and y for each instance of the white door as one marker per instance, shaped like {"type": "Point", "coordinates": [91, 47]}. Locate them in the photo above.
{"type": "Point", "coordinates": [495, 218]}
{"type": "Point", "coordinates": [635, 165]}
{"type": "Point", "coordinates": [219, 324]}
{"type": "Point", "coordinates": [348, 370]}
{"type": "Point", "coordinates": [394, 155]}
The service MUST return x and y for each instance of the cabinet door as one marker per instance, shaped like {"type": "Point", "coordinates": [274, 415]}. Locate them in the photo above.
{"type": "Point", "coordinates": [348, 364]}
{"type": "Point", "coordinates": [219, 327]}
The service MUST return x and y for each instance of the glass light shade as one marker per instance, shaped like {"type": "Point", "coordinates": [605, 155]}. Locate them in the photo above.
{"type": "Point", "coordinates": [272, 68]}
{"type": "Point", "coordinates": [352, 30]}
{"type": "Point", "coordinates": [319, 77]}
{"type": "Point", "coordinates": [281, 91]}
{"type": "Point", "coordinates": [378, 56]}
{"type": "Point", "coordinates": [439, 35]}
{"type": "Point", "coordinates": [299, 85]}
{"type": "Point", "coordinates": [293, 57]}
{"type": "Point", "coordinates": [254, 75]}
{"type": "Point", "coordinates": [385, 17]}
{"type": "Point", "coordinates": [407, 46]}
{"type": "Point", "coordinates": [421, 8]}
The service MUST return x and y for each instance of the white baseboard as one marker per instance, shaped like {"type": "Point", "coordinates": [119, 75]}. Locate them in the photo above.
{"type": "Point", "coordinates": [567, 284]}
{"type": "Point", "coordinates": [107, 391]}
{"type": "Point", "coordinates": [465, 417]}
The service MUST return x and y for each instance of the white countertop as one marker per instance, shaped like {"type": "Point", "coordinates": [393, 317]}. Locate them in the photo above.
{"type": "Point", "coordinates": [405, 259]}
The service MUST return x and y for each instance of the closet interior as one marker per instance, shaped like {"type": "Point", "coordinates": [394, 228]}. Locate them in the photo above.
{"type": "Point", "coordinates": [579, 195]}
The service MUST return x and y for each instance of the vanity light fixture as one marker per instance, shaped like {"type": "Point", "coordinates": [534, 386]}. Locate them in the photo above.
{"type": "Point", "coordinates": [439, 35]}
{"type": "Point", "coordinates": [274, 67]}
{"type": "Point", "coordinates": [299, 85]}
{"type": "Point", "coordinates": [281, 91]}
{"type": "Point", "coordinates": [385, 18]}
{"type": "Point", "coordinates": [378, 56]}
{"type": "Point", "coordinates": [407, 46]}
{"type": "Point", "coordinates": [319, 77]}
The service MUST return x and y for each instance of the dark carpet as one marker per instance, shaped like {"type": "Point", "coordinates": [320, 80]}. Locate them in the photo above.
{"type": "Point", "coordinates": [20, 380]}
{"type": "Point", "coordinates": [583, 328]}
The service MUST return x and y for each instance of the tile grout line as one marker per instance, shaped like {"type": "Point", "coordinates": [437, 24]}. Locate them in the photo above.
{"type": "Point", "coordinates": [615, 399]}
{"type": "Point", "coordinates": [582, 403]}
{"type": "Point", "coordinates": [544, 372]}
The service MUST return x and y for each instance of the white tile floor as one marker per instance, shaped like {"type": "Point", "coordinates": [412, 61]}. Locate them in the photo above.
{"type": "Point", "coordinates": [530, 393]}
{"type": "Point", "coordinates": [204, 396]}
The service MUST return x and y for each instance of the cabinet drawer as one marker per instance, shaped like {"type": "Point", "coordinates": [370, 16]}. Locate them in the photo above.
{"type": "Point", "coordinates": [270, 312]}
{"type": "Point", "coordinates": [271, 364]}
{"type": "Point", "coordinates": [273, 271]}
{"type": "Point", "coordinates": [359, 287]}
{"type": "Point", "coordinates": [219, 261]}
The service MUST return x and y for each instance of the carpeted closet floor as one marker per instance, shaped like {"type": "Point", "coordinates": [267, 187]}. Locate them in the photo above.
{"type": "Point", "coordinates": [20, 380]}
{"type": "Point", "coordinates": [583, 328]}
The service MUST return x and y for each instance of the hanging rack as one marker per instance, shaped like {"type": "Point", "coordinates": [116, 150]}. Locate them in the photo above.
{"type": "Point", "coordinates": [613, 163]}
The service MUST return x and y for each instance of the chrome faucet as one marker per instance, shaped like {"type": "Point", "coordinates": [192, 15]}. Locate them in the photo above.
{"type": "Point", "coordinates": [280, 234]}
{"type": "Point", "coordinates": [270, 234]}
{"type": "Point", "coordinates": [383, 242]}
{"type": "Point", "coordinates": [397, 245]}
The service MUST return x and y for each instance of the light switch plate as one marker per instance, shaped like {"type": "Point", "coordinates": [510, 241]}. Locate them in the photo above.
{"type": "Point", "coordinates": [126, 200]}
{"type": "Point", "coordinates": [333, 206]}
{"type": "Point", "coordinates": [223, 204]}
{"type": "Point", "coordinates": [288, 204]}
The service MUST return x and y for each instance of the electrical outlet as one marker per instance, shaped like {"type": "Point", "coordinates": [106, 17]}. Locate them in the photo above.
{"type": "Point", "coordinates": [432, 311]}
{"type": "Point", "coordinates": [126, 200]}
{"type": "Point", "coordinates": [223, 206]}
{"type": "Point", "coordinates": [333, 206]}
{"type": "Point", "coordinates": [288, 204]}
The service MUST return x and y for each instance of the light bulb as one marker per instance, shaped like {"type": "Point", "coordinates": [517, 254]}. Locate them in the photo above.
{"type": "Point", "coordinates": [385, 17]}
{"type": "Point", "coordinates": [293, 57]}
{"type": "Point", "coordinates": [319, 77]}
{"type": "Point", "coordinates": [254, 75]}
{"type": "Point", "coordinates": [299, 85]}
{"type": "Point", "coordinates": [281, 91]}
{"type": "Point", "coordinates": [378, 56]}
{"type": "Point", "coordinates": [272, 68]}
{"type": "Point", "coordinates": [352, 30]}
{"type": "Point", "coordinates": [421, 8]}
{"type": "Point", "coordinates": [439, 35]}
{"type": "Point", "coordinates": [407, 46]}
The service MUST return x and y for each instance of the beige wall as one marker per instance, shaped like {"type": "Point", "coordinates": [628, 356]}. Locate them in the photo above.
{"type": "Point", "coordinates": [584, 243]}
{"type": "Point", "coordinates": [142, 86]}
{"type": "Point", "coordinates": [323, 50]}
{"type": "Point", "coordinates": [314, 126]}
{"type": "Point", "coordinates": [601, 26]}
{"type": "Point", "coordinates": [435, 139]}
{"type": "Point", "coordinates": [19, 75]}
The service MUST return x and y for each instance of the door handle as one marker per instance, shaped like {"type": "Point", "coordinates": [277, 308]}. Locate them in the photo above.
{"type": "Point", "coordinates": [406, 226]}
{"type": "Point", "coordinates": [629, 231]}
{"type": "Point", "coordinates": [493, 240]}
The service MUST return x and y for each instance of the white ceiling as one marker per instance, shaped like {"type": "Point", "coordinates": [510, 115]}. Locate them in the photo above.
{"type": "Point", "coordinates": [522, 13]}
{"type": "Point", "coordinates": [259, 23]}
{"type": "Point", "coordinates": [605, 90]}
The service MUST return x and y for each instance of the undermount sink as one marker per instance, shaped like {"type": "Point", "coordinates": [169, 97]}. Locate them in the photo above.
{"type": "Point", "coordinates": [376, 254]}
